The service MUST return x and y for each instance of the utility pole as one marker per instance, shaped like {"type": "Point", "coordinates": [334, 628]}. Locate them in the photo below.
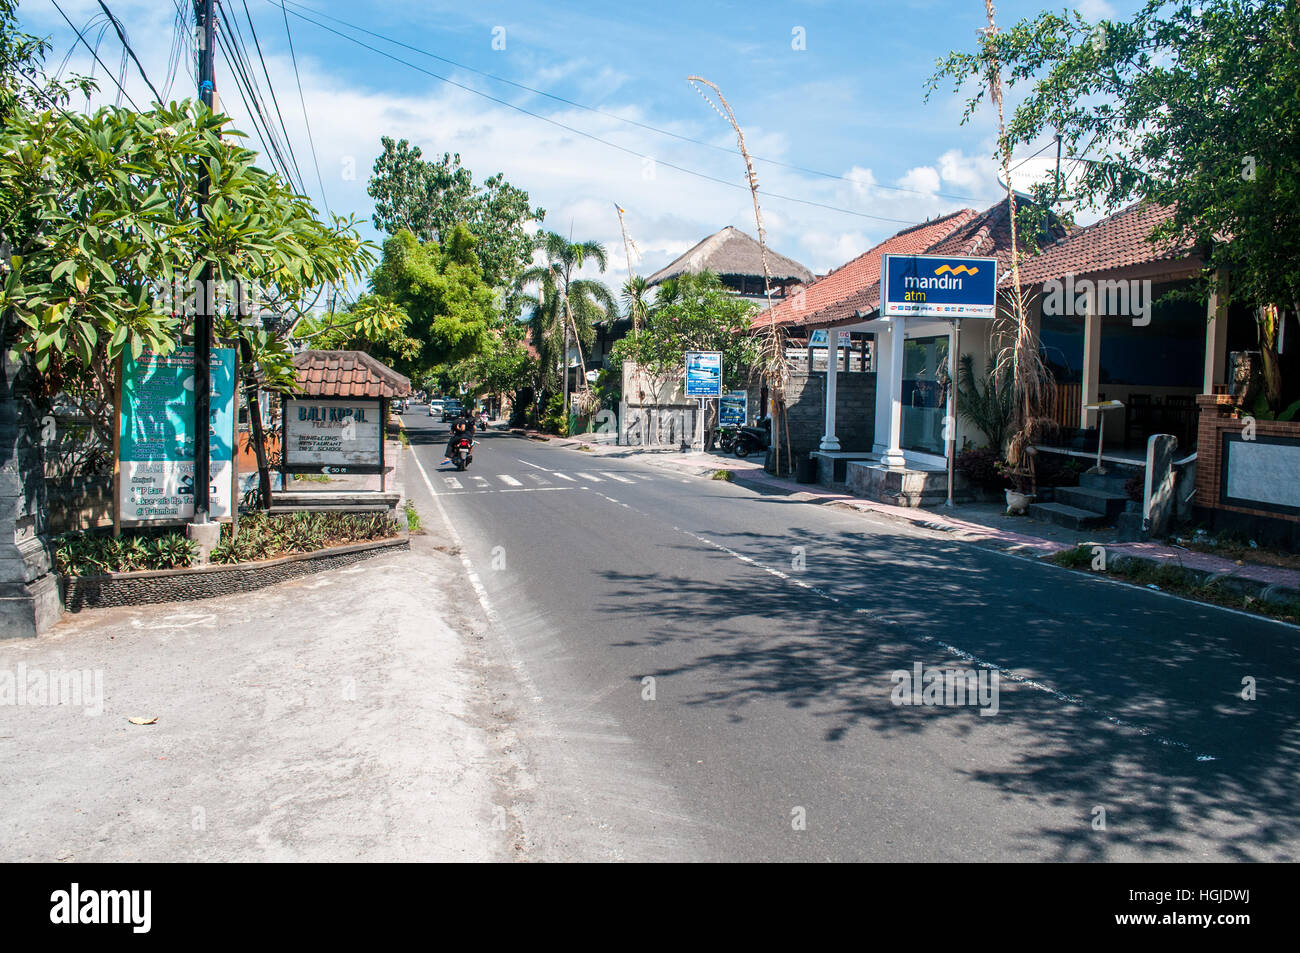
{"type": "Point", "coordinates": [205, 14]}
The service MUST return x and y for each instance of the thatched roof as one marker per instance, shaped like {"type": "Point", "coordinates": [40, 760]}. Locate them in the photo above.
{"type": "Point", "coordinates": [732, 252]}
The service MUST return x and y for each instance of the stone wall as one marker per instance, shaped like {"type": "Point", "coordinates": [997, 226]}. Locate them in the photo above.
{"type": "Point", "coordinates": [29, 593]}
{"type": "Point", "coordinates": [206, 582]}
{"type": "Point", "coordinates": [855, 411]}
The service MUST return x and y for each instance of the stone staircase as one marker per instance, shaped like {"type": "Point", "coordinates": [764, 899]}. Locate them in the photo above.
{"type": "Point", "coordinates": [1098, 500]}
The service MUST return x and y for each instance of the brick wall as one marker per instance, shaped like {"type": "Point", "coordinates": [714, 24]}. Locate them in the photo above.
{"type": "Point", "coordinates": [1216, 419]}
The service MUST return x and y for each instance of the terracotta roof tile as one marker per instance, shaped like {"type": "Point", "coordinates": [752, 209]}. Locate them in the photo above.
{"type": "Point", "coordinates": [855, 286]}
{"type": "Point", "coordinates": [347, 374]}
{"type": "Point", "coordinates": [1118, 241]}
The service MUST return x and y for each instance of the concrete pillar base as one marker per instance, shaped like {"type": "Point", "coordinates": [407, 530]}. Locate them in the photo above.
{"type": "Point", "coordinates": [829, 444]}
{"type": "Point", "coordinates": [205, 536]}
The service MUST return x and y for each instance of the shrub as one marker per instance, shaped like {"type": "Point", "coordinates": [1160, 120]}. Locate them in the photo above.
{"type": "Point", "coordinates": [266, 536]}
{"type": "Point", "coordinates": [91, 554]}
{"type": "Point", "coordinates": [981, 467]}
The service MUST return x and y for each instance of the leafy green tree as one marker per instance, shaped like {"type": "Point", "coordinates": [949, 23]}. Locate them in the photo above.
{"type": "Point", "coordinates": [451, 308]}
{"type": "Point", "coordinates": [428, 198]}
{"type": "Point", "coordinates": [503, 367]}
{"type": "Point", "coordinates": [1189, 105]}
{"type": "Point", "coordinates": [693, 313]}
{"type": "Point", "coordinates": [368, 324]}
{"type": "Point", "coordinates": [102, 219]}
{"type": "Point", "coordinates": [556, 282]}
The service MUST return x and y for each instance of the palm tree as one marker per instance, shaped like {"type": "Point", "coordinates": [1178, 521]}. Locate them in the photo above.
{"type": "Point", "coordinates": [635, 305]}
{"type": "Point", "coordinates": [564, 304]}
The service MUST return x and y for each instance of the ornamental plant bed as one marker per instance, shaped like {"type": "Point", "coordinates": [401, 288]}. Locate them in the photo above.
{"type": "Point", "coordinates": [205, 582]}
{"type": "Point", "coordinates": [146, 566]}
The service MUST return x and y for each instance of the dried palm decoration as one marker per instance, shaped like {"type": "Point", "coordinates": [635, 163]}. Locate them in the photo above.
{"type": "Point", "coordinates": [774, 367]}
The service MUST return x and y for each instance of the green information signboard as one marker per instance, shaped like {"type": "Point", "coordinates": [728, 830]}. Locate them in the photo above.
{"type": "Point", "coordinates": [156, 436]}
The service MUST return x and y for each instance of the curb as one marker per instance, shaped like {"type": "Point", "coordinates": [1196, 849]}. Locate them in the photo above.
{"type": "Point", "coordinates": [149, 586]}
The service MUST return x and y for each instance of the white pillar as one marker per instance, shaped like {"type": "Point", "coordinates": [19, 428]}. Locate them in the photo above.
{"type": "Point", "coordinates": [1091, 366]}
{"type": "Point", "coordinates": [893, 455]}
{"type": "Point", "coordinates": [829, 441]}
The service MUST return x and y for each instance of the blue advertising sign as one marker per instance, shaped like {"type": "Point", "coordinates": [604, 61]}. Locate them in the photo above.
{"type": "Point", "coordinates": [733, 409]}
{"type": "Point", "coordinates": [703, 373]}
{"type": "Point", "coordinates": [933, 286]}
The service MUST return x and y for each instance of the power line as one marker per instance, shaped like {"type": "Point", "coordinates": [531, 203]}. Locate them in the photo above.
{"type": "Point", "coordinates": [594, 138]}
{"type": "Point", "coordinates": [275, 101]}
{"type": "Point", "coordinates": [121, 35]}
{"type": "Point", "coordinates": [95, 55]}
{"type": "Point", "coordinates": [310, 141]}
{"type": "Point", "coordinates": [270, 147]}
{"type": "Point", "coordinates": [610, 115]}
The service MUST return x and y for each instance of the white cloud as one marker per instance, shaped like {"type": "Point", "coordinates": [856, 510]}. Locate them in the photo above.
{"type": "Point", "coordinates": [922, 179]}
{"type": "Point", "coordinates": [575, 179]}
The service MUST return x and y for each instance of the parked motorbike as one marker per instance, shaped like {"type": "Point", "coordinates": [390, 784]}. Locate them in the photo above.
{"type": "Point", "coordinates": [461, 453]}
{"type": "Point", "coordinates": [727, 439]}
{"type": "Point", "coordinates": [750, 440]}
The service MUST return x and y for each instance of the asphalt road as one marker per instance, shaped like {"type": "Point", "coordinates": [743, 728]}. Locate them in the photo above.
{"type": "Point", "coordinates": [706, 672]}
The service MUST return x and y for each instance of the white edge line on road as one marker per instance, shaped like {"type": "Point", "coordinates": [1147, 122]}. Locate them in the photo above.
{"type": "Point", "coordinates": [1007, 673]}
{"type": "Point", "coordinates": [474, 579]}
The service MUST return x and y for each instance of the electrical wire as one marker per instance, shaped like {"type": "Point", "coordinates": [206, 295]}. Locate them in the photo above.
{"type": "Point", "coordinates": [610, 115]}
{"type": "Point", "coordinates": [95, 55]}
{"type": "Point", "coordinates": [307, 123]}
{"type": "Point", "coordinates": [121, 35]}
{"type": "Point", "coordinates": [586, 135]}
{"type": "Point", "coordinates": [270, 148]}
{"type": "Point", "coordinates": [275, 100]}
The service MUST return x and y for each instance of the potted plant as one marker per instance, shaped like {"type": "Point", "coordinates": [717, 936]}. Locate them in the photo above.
{"type": "Point", "coordinates": [1020, 493]}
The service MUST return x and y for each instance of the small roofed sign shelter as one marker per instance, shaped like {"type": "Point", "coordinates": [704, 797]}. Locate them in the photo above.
{"type": "Point", "coordinates": [335, 424]}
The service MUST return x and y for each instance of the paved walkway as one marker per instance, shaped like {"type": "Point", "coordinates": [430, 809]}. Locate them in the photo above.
{"type": "Point", "coordinates": [974, 522]}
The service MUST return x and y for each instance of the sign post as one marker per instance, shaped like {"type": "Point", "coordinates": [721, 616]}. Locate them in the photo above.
{"type": "Point", "coordinates": [703, 380]}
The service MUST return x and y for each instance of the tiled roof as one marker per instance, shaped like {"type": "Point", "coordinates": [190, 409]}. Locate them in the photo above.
{"type": "Point", "coordinates": [731, 252]}
{"type": "Point", "coordinates": [856, 286]}
{"type": "Point", "coordinates": [347, 374]}
{"type": "Point", "coordinates": [1115, 242]}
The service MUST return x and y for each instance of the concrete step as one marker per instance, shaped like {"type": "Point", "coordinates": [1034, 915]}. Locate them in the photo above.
{"type": "Point", "coordinates": [1112, 482]}
{"type": "Point", "coordinates": [1102, 502]}
{"type": "Point", "coordinates": [1062, 514]}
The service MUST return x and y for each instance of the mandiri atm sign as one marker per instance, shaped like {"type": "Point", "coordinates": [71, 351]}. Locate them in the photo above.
{"type": "Point", "coordinates": [930, 286]}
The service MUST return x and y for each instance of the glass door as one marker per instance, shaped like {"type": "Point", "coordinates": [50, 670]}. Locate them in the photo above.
{"type": "Point", "coordinates": [925, 393]}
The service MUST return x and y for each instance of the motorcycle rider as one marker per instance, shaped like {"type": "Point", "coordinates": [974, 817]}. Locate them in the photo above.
{"type": "Point", "coordinates": [462, 426]}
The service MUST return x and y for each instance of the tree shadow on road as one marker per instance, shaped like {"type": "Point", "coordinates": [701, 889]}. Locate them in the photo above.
{"type": "Point", "coordinates": [1123, 692]}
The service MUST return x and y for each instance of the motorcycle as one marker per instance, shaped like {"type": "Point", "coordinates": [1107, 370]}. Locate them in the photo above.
{"type": "Point", "coordinates": [727, 438]}
{"type": "Point", "coordinates": [461, 454]}
{"type": "Point", "coordinates": [750, 440]}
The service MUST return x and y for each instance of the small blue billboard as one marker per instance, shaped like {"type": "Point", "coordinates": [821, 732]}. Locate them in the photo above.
{"type": "Point", "coordinates": [733, 409]}
{"type": "Point", "coordinates": [703, 373]}
{"type": "Point", "coordinates": [932, 286]}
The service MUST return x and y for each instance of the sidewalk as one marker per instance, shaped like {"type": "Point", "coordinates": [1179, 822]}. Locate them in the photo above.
{"type": "Point", "coordinates": [981, 523]}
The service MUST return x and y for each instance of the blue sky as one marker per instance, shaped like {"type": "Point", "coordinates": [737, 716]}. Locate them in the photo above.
{"type": "Point", "coordinates": [851, 103]}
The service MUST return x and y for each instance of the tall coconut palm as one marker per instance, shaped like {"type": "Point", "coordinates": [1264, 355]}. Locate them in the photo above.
{"type": "Point", "coordinates": [564, 305]}
{"type": "Point", "coordinates": [635, 297]}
